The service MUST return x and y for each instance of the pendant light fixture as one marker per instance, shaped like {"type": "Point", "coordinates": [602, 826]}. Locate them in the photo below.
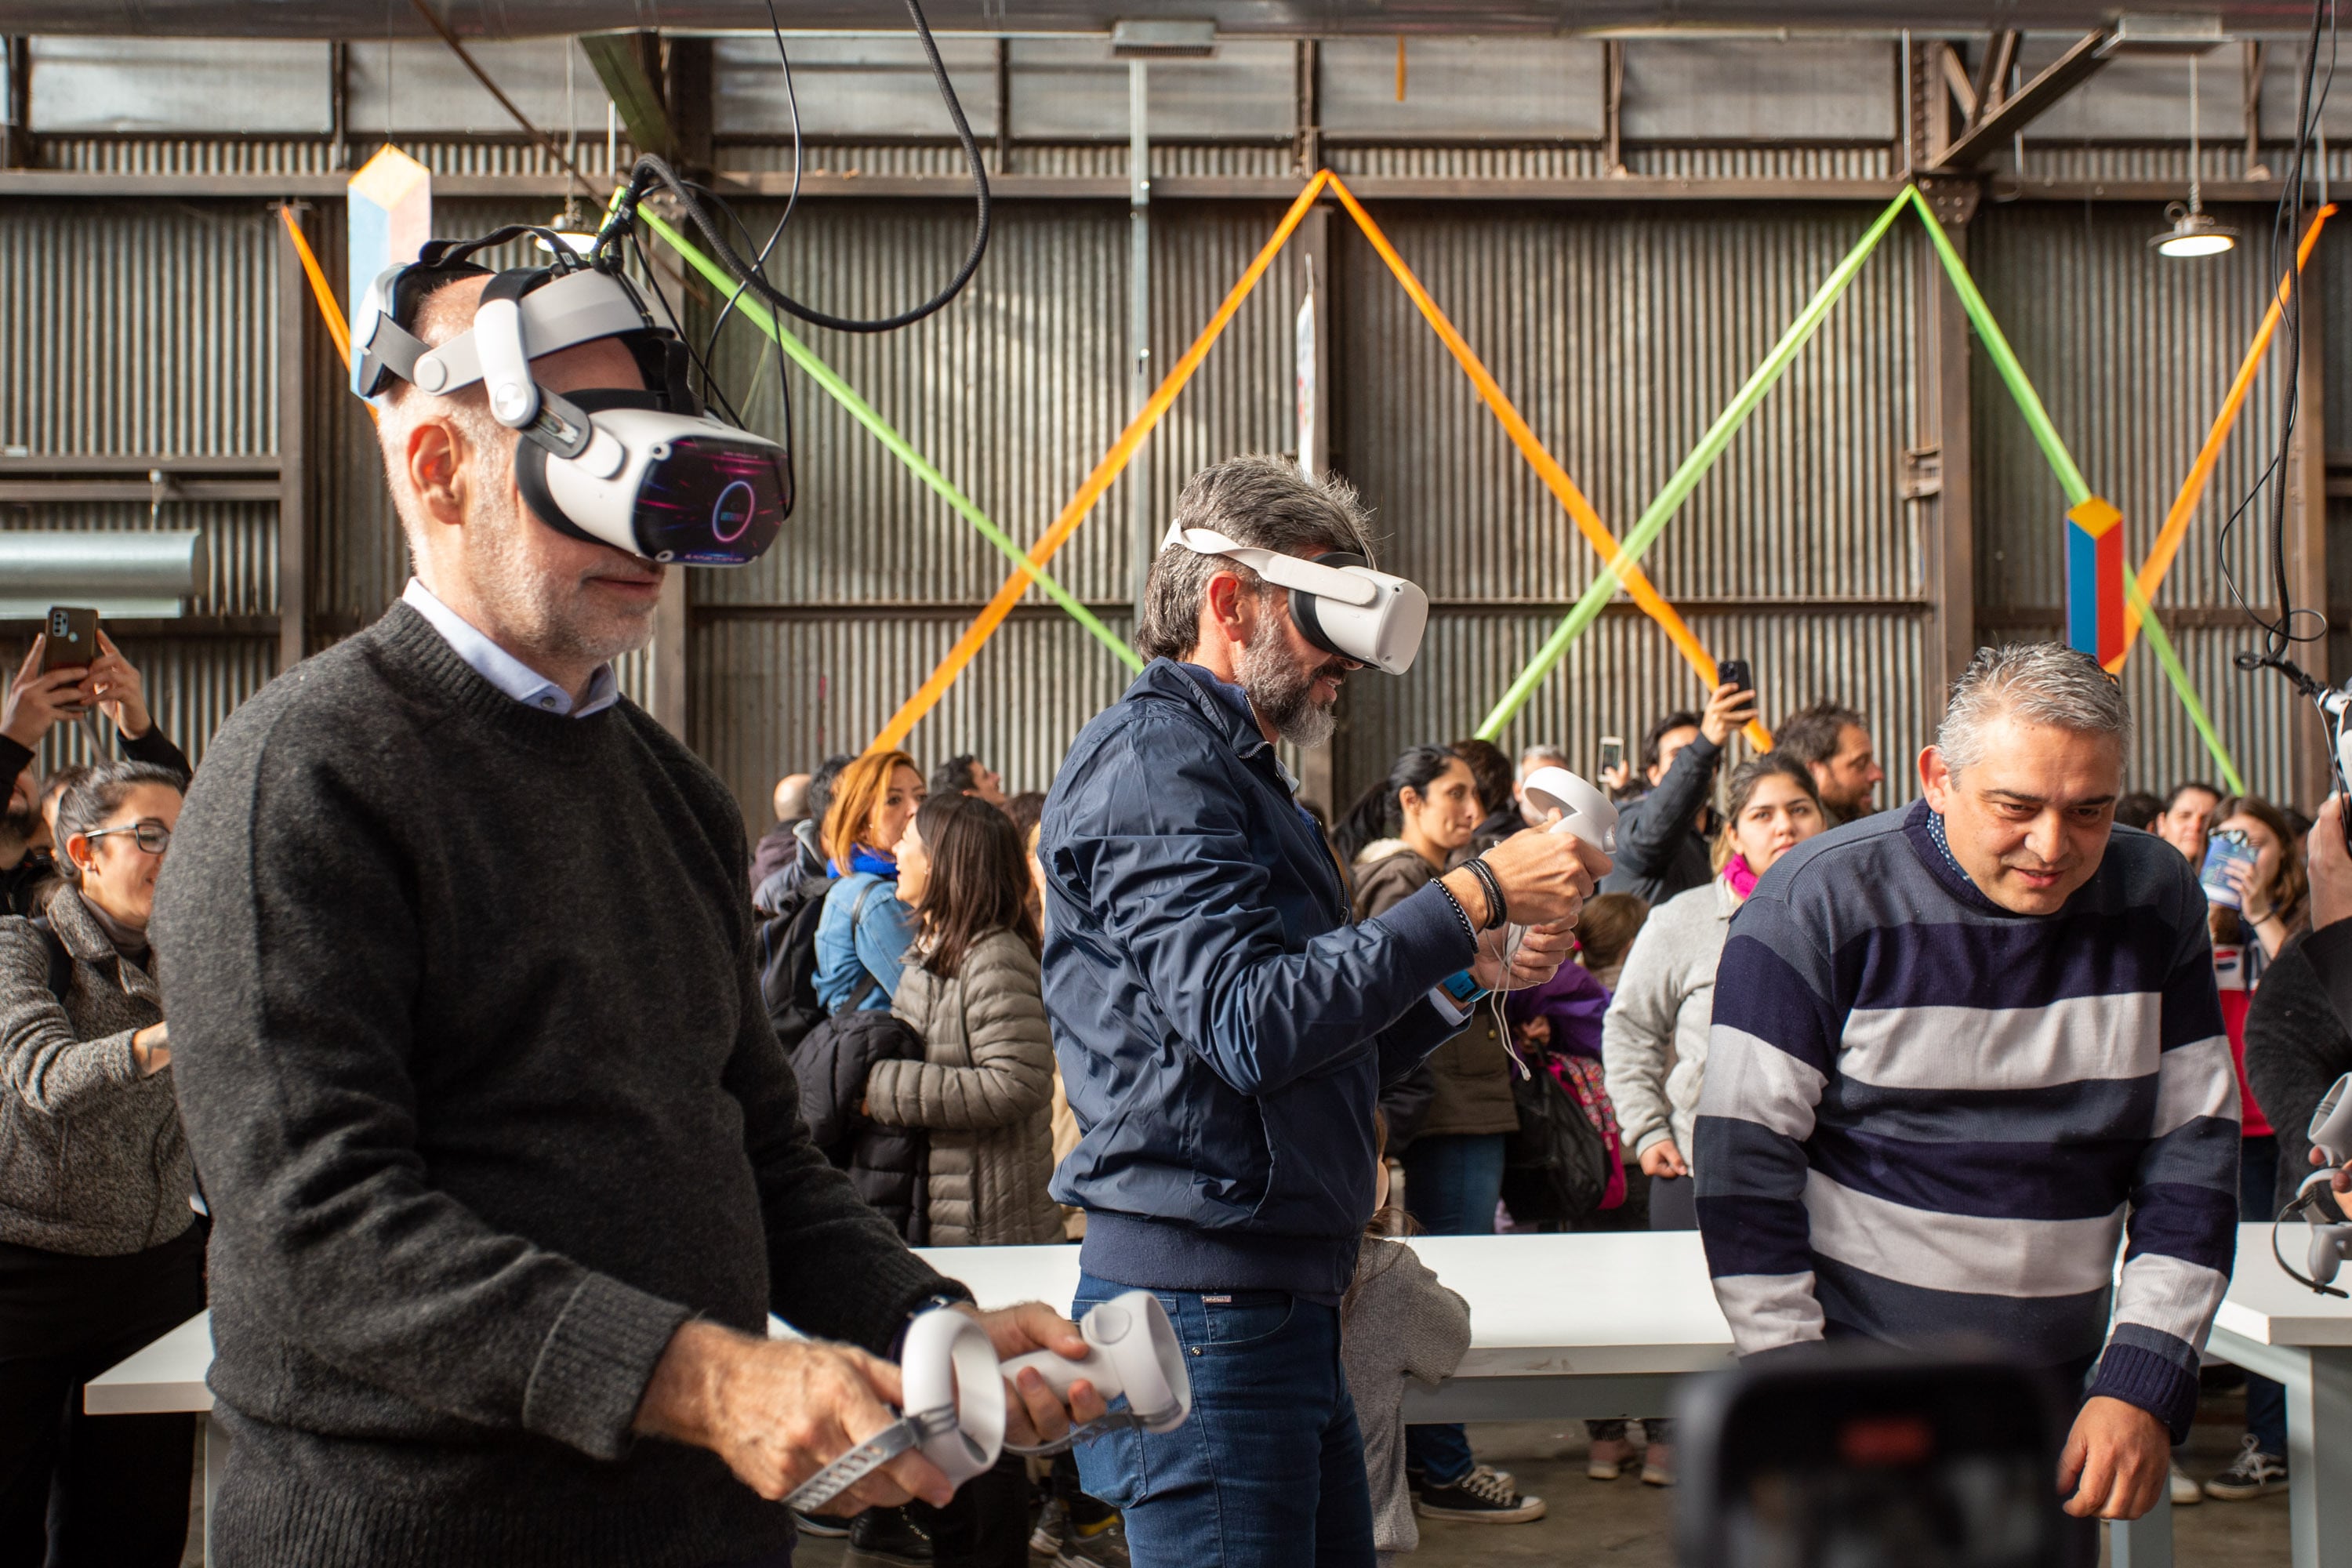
{"type": "Point", "coordinates": [2194, 231]}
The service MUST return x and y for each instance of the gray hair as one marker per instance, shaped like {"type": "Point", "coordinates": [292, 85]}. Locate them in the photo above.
{"type": "Point", "coordinates": [1261, 501]}
{"type": "Point", "coordinates": [1543, 754]}
{"type": "Point", "coordinates": [2039, 682]}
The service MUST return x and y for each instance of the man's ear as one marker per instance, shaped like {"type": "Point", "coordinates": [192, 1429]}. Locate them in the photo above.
{"type": "Point", "coordinates": [436, 462]}
{"type": "Point", "coordinates": [1230, 605]}
{"type": "Point", "coordinates": [1935, 780]}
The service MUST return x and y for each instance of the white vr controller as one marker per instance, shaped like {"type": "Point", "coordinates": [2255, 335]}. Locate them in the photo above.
{"type": "Point", "coordinates": [954, 1390]}
{"type": "Point", "coordinates": [2331, 1138]}
{"type": "Point", "coordinates": [1585, 813]}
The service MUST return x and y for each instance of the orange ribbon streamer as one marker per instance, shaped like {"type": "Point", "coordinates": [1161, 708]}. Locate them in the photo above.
{"type": "Point", "coordinates": [2200, 472]}
{"type": "Point", "coordinates": [1131, 440]}
{"type": "Point", "coordinates": [337, 328]}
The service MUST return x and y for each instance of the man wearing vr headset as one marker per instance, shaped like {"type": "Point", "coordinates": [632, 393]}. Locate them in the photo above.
{"type": "Point", "coordinates": [1224, 1032]}
{"type": "Point", "coordinates": [507, 1166]}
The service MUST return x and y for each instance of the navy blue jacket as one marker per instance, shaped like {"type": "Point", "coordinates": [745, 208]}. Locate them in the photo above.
{"type": "Point", "coordinates": [1223, 1031]}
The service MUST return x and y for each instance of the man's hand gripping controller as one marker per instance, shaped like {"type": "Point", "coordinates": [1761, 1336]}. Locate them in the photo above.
{"type": "Point", "coordinates": [954, 1390]}
{"type": "Point", "coordinates": [1585, 812]}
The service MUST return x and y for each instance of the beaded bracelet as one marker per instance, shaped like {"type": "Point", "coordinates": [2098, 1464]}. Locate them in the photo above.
{"type": "Point", "coordinates": [1459, 913]}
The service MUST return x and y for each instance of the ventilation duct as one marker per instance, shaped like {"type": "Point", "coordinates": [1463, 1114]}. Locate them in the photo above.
{"type": "Point", "coordinates": [144, 575]}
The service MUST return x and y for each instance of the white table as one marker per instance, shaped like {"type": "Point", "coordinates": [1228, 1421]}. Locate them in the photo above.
{"type": "Point", "coordinates": [2271, 1325]}
{"type": "Point", "coordinates": [1569, 1326]}
{"type": "Point", "coordinates": [1560, 1326]}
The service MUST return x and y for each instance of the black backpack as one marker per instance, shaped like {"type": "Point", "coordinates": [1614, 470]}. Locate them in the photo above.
{"type": "Point", "coordinates": [787, 957]}
{"type": "Point", "coordinates": [1554, 1167]}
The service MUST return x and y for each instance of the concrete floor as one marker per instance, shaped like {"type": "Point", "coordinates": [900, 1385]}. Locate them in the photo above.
{"type": "Point", "coordinates": [1624, 1524]}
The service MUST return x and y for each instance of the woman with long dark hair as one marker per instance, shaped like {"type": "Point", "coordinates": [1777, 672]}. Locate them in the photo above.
{"type": "Point", "coordinates": [982, 1093]}
{"type": "Point", "coordinates": [99, 1249]}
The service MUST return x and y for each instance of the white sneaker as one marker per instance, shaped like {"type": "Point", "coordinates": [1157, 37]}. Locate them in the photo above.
{"type": "Point", "coordinates": [2186, 1492]}
{"type": "Point", "coordinates": [1053, 1523]}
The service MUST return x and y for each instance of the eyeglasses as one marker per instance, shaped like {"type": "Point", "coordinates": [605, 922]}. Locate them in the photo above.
{"type": "Point", "coordinates": [152, 837]}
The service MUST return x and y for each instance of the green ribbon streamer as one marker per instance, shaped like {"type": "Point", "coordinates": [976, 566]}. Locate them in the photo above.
{"type": "Point", "coordinates": [2069, 478]}
{"type": "Point", "coordinates": [823, 375]}
{"type": "Point", "coordinates": [1685, 478]}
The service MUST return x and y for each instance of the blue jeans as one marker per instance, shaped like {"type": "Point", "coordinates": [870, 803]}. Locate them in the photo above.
{"type": "Point", "coordinates": [1269, 1470]}
{"type": "Point", "coordinates": [1452, 1183]}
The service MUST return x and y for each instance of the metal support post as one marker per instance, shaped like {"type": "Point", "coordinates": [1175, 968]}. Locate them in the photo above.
{"type": "Point", "coordinates": [294, 316]}
{"type": "Point", "coordinates": [1939, 483]}
{"type": "Point", "coordinates": [671, 621]}
{"type": "Point", "coordinates": [1003, 105]}
{"type": "Point", "coordinates": [16, 88]}
{"type": "Point", "coordinates": [1312, 242]}
{"type": "Point", "coordinates": [2307, 532]}
{"type": "Point", "coordinates": [1139, 312]}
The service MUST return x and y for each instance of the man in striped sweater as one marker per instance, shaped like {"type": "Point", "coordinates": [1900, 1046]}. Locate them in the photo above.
{"type": "Point", "coordinates": [1959, 1054]}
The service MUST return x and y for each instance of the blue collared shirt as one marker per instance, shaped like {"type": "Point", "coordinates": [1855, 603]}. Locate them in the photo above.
{"type": "Point", "coordinates": [503, 669]}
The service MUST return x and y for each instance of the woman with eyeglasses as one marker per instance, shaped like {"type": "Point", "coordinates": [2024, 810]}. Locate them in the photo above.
{"type": "Point", "coordinates": [101, 1251]}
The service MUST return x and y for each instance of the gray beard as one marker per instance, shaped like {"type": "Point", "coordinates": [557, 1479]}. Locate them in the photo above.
{"type": "Point", "coordinates": [1283, 694]}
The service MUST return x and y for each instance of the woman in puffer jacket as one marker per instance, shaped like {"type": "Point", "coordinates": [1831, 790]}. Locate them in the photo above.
{"type": "Point", "coordinates": [983, 1092]}
{"type": "Point", "coordinates": [985, 1088]}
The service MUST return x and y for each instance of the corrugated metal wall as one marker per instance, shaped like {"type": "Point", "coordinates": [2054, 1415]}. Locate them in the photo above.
{"type": "Point", "coordinates": [1620, 332]}
{"type": "Point", "coordinates": [2131, 353]}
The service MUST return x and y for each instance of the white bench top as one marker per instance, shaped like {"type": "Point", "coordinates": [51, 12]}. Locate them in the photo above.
{"type": "Point", "coordinates": [1557, 1306]}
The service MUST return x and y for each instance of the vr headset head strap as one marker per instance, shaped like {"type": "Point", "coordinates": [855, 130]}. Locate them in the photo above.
{"type": "Point", "coordinates": [1315, 577]}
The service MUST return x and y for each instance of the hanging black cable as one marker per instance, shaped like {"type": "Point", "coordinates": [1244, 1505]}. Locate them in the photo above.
{"type": "Point", "coordinates": [651, 170]}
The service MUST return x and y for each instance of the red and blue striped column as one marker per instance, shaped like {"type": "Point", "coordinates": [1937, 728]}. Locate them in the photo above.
{"type": "Point", "coordinates": [2095, 579]}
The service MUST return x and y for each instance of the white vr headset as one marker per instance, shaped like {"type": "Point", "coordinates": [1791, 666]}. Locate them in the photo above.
{"type": "Point", "coordinates": [644, 471]}
{"type": "Point", "coordinates": [1341, 605]}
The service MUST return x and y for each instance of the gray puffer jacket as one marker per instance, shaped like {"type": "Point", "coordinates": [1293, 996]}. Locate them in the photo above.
{"type": "Point", "coordinates": [984, 1089]}
{"type": "Point", "coordinates": [92, 1159]}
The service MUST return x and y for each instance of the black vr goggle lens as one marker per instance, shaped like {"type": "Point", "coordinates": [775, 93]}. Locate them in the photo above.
{"type": "Point", "coordinates": [645, 471]}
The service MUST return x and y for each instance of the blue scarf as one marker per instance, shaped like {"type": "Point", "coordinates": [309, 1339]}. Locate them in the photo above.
{"type": "Point", "coordinates": [865, 859]}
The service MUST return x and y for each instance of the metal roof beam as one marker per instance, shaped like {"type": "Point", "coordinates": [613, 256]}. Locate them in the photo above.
{"type": "Point", "coordinates": [1994, 126]}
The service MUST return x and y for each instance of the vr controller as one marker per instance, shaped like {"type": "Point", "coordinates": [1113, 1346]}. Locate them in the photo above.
{"type": "Point", "coordinates": [954, 1389]}
{"type": "Point", "coordinates": [2331, 1138]}
{"type": "Point", "coordinates": [1586, 813]}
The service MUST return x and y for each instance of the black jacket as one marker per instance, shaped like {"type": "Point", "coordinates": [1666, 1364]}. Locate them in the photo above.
{"type": "Point", "coordinates": [2297, 1044]}
{"type": "Point", "coordinates": [1659, 852]}
{"type": "Point", "coordinates": [887, 1165]}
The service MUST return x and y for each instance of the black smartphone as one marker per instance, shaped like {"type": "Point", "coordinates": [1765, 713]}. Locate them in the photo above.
{"type": "Point", "coordinates": [73, 639]}
{"type": "Point", "coordinates": [1736, 672]}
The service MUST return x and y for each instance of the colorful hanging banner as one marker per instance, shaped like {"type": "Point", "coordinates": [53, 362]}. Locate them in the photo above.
{"type": "Point", "coordinates": [2095, 579]}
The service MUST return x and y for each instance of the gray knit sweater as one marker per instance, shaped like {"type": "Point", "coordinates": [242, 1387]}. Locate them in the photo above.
{"type": "Point", "coordinates": [474, 1063]}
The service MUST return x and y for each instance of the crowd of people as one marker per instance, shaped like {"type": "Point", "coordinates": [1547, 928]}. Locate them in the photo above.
{"type": "Point", "coordinates": [495, 1092]}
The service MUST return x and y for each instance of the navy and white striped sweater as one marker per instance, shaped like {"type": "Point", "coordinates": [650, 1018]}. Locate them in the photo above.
{"type": "Point", "coordinates": [1927, 1116]}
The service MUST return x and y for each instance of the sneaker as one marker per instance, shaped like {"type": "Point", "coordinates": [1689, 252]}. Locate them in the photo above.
{"type": "Point", "coordinates": [1053, 1523]}
{"type": "Point", "coordinates": [1483, 1496]}
{"type": "Point", "coordinates": [822, 1524]}
{"type": "Point", "coordinates": [887, 1536]}
{"type": "Point", "coordinates": [1607, 1459]}
{"type": "Point", "coordinates": [2186, 1492]}
{"type": "Point", "coordinates": [1658, 1464]}
{"type": "Point", "coordinates": [2252, 1474]}
{"type": "Point", "coordinates": [1104, 1546]}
